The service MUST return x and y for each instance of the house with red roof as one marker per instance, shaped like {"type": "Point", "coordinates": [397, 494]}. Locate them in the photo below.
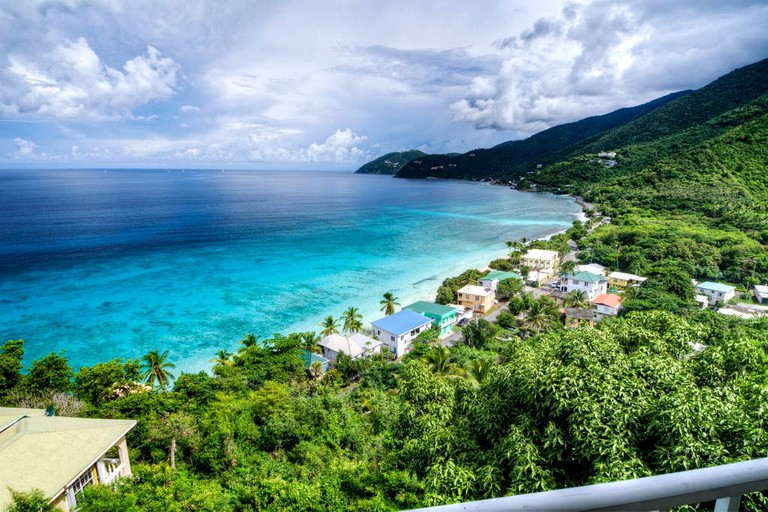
{"type": "Point", "coordinates": [605, 305]}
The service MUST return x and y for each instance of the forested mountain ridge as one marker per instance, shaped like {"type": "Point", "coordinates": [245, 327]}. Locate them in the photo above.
{"type": "Point", "coordinates": [514, 158]}
{"type": "Point", "coordinates": [648, 123]}
{"type": "Point", "coordinates": [390, 163]}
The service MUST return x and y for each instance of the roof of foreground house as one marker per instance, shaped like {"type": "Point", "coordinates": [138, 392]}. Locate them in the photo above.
{"type": "Point", "coordinates": [49, 452]}
{"type": "Point", "coordinates": [401, 322]}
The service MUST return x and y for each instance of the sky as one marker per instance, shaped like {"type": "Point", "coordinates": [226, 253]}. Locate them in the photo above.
{"type": "Point", "coordinates": [307, 84]}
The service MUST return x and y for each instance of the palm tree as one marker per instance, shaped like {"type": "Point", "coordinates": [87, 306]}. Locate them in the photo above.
{"type": "Point", "coordinates": [222, 358]}
{"type": "Point", "coordinates": [538, 318]}
{"type": "Point", "coordinates": [248, 341]}
{"type": "Point", "coordinates": [577, 299]}
{"type": "Point", "coordinates": [156, 368]}
{"type": "Point", "coordinates": [478, 370]}
{"type": "Point", "coordinates": [388, 303]}
{"type": "Point", "coordinates": [353, 320]}
{"type": "Point", "coordinates": [438, 359]}
{"type": "Point", "coordinates": [310, 340]}
{"type": "Point", "coordinates": [330, 326]}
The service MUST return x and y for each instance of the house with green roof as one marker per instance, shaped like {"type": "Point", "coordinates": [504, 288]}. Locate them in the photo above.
{"type": "Point", "coordinates": [60, 456]}
{"type": "Point", "coordinates": [491, 279]}
{"type": "Point", "coordinates": [591, 284]}
{"type": "Point", "coordinates": [716, 292]}
{"type": "Point", "coordinates": [443, 317]}
{"type": "Point", "coordinates": [308, 358]}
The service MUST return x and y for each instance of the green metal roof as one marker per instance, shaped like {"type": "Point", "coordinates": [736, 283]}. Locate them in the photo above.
{"type": "Point", "coordinates": [48, 452]}
{"type": "Point", "coordinates": [501, 275]}
{"type": "Point", "coordinates": [424, 307]}
{"type": "Point", "coordinates": [587, 277]}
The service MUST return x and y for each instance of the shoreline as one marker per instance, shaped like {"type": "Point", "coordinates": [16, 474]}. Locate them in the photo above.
{"type": "Point", "coordinates": [426, 292]}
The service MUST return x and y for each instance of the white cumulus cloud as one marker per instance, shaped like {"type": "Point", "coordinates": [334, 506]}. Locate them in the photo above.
{"type": "Point", "coordinates": [25, 148]}
{"type": "Point", "coordinates": [71, 81]}
{"type": "Point", "coordinates": [342, 146]}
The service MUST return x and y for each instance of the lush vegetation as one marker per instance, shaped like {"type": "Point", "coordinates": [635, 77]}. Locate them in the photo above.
{"type": "Point", "coordinates": [516, 406]}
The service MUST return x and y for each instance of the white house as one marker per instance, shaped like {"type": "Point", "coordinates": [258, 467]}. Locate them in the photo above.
{"type": "Point", "coordinates": [591, 284]}
{"type": "Point", "coordinates": [355, 345]}
{"type": "Point", "coordinates": [605, 305]}
{"type": "Point", "coordinates": [398, 330]}
{"type": "Point", "coordinates": [702, 301]}
{"type": "Point", "coordinates": [717, 292]}
{"type": "Point", "coordinates": [761, 293]}
{"type": "Point", "coordinates": [540, 259]}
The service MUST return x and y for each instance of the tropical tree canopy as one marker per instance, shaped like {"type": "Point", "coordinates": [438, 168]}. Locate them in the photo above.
{"type": "Point", "coordinates": [388, 303]}
{"type": "Point", "coordinates": [156, 368]}
{"type": "Point", "coordinates": [352, 320]}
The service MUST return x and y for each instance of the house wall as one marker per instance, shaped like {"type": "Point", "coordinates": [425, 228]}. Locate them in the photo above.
{"type": "Point", "coordinates": [488, 283]}
{"type": "Point", "coordinates": [715, 296]}
{"type": "Point", "coordinates": [762, 299]}
{"type": "Point", "coordinates": [478, 303]}
{"type": "Point", "coordinates": [540, 263]}
{"type": "Point", "coordinates": [400, 345]}
{"type": "Point", "coordinates": [602, 311]}
{"type": "Point", "coordinates": [592, 290]}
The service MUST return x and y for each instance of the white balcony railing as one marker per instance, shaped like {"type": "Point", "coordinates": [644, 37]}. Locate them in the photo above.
{"type": "Point", "coordinates": [113, 469]}
{"type": "Point", "coordinates": [723, 484]}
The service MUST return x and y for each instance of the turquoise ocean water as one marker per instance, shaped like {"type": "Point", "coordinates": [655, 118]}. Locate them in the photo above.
{"type": "Point", "coordinates": [113, 264]}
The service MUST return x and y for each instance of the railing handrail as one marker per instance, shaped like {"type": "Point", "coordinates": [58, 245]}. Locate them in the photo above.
{"type": "Point", "coordinates": [659, 492]}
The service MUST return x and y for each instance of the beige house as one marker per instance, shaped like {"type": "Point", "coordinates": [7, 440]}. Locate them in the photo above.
{"type": "Point", "coordinates": [477, 298]}
{"type": "Point", "coordinates": [58, 455]}
{"type": "Point", "coordinates": [540, 259]}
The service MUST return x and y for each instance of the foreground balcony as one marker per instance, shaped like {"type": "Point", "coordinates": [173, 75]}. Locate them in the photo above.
{"type": "Point", "coordinates": [722, 484]}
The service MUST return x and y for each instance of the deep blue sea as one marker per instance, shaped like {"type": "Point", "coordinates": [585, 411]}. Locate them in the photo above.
{"type": "Point", "coordinates": [113, 264]}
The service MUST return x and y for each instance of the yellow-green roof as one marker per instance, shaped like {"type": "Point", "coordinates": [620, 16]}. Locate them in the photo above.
{"type": "Point", "coordinates": [48, 452]}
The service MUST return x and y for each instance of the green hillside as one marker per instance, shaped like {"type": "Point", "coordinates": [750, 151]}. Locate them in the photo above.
{"type": "Point", "coordinates": [390, 163]}
{"type": "Point", "coordinates": [514, 158]}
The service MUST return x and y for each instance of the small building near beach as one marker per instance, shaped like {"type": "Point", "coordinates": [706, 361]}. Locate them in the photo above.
{"type": "Point", "coordinates": [477, 298]}
{"type": "Point", "coordinates": [540, 259]}
{"type": "Point", "coordinates": [444, 317]}
{"type": "Point", "coordinates": [492, 279]}
{"type": "Point", "coordinates": [716, 292]}
{"type": "Point", "coordinates": [60, 456]}
{"type": "Point", "coordinates": [355, 345]}
{"type": "Point", "coordinates": [398, 331]}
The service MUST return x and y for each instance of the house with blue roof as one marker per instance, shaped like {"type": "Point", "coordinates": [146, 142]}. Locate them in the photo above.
{"type": "Point", "coordinates": [398, 331]}
{"type": "Point", "coordinates": [716, 292]}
